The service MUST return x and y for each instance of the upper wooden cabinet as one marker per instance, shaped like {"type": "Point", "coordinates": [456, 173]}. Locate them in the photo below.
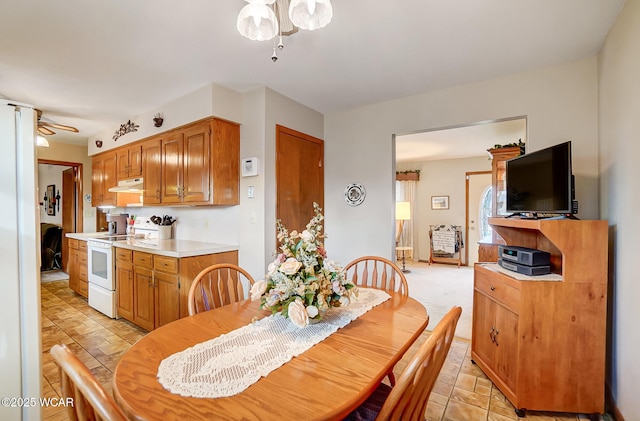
{"type": "Point", "coordinates": [201, 164]}
{"type": "Point", "coordinates": [103, 177]}
{"type": "Point", "coordinates": [152, 170]}
{"type": "Point", "coordinates": [197, 164]}
{"type": "Point", "coordinates": [129, 162]}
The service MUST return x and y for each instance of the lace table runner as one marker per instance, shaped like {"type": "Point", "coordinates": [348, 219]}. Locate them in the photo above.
{"type": "Point", "coordinates": [230, 363]}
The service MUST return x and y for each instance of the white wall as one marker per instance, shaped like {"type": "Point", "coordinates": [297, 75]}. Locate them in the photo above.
{"type": "Point", "coordinates": [560, 103]}
{"type": "Point", "coordinates": [619, 67]}
{"type": "Point", "coordinates": [210, 100]}
{"type": "Point", "coordinates": [441, 178]}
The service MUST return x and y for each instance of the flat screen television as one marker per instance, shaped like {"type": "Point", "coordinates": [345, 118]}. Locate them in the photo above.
{"type": "Point", "coordinates": [540, 182]}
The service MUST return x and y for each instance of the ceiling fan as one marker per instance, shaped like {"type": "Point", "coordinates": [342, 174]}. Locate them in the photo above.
{"type": "Point", "coordinates": [43, 126]}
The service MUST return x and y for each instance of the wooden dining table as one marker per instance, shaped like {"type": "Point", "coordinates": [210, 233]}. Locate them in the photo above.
{"type": "Point", "coordinates": [326, 382]}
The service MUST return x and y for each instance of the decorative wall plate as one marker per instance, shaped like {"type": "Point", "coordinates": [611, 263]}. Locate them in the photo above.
{"type": "Point", "coordinates": [354, 194]}
{"type": "Point", "coordinates": [87, 197]}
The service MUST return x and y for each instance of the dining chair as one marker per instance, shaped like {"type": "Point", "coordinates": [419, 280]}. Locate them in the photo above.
{"type": "Point", "coordinates": [90, 400]}
{"type": "Point", "coordinates": [216, 286]}
{"type": "Point", "coordinates": [408, 399]}
{"type": "Point", "coordinates": [377, 272]}
{"type": "Point", "coordinates": [380, 273]}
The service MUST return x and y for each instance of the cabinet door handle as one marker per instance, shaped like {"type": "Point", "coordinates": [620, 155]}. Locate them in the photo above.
{"type": "Point", "coordinates": [492, 288]}
{"type": "Point", "coordinates": [494, 337]}
{"type": "Point", "coordinates": [491, 333]}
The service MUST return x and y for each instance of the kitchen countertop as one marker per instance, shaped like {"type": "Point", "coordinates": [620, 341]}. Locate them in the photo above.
{"type": "Point", "coordinates": [171, 248]}
{"type": "Point", "coordinates": [174, 248]}
{"type": "Point", "coordinates": [85, 236]}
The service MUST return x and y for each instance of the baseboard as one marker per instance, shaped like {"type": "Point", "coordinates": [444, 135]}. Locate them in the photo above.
{"type": "Point", "coordinates": [611, 405]}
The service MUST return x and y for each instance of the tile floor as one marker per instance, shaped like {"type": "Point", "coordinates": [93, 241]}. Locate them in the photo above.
{"type": "Point", "coordinates": [462, 393]}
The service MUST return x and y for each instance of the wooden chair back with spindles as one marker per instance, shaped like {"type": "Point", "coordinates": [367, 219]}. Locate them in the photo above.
{"type": "Point", "coordinates": [216, 286]}
{"type": "Point", "coordinates": [377, 272]}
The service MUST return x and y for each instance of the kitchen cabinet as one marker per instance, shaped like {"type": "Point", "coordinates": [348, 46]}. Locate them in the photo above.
{"type": "Point", "coordinates": [152, 289]}
{"type": "Point", "coordinates": [542, 341]}
{"type": "Point", "coordinates": [167, 285]}
{"type": "Point", "coordinates": [143, 291]}
{"type": "Point", "coordinates": [152, 170]}
{"type": "Point", "coordinates": [124, 283]}
{"type": "Point", "coordinates": [78, 275]}
{"type": "Point", "coordinates": [129, 161]}
{"type": "Point", "coordinates": [200, 164]}
{"type": "Point", "coordinates": [196, 164]}
{"type": "Point", "coordinates": [103, 177]}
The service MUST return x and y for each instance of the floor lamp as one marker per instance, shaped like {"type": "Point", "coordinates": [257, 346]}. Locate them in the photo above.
{"type": "Point", "coordinates": [403, 213]}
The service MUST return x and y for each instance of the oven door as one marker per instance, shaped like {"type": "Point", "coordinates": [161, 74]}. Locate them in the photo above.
{"type": "Point", "coordinates": [100, 265]}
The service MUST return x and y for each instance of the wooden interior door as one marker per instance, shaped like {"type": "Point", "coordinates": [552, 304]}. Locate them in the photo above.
{"type": "Point", "coordinates": [69, 201]}
{"type": "Point", "coordinates": [299, 177]}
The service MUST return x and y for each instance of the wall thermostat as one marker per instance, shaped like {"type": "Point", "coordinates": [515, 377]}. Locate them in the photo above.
{"type": "Point", "coordinates": [249, 167]}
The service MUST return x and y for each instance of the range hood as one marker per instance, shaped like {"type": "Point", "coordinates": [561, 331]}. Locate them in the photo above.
{"type": "Point", "coordinates": [133, 185]}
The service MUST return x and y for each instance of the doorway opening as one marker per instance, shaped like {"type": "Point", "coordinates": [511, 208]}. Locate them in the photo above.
{"type": "Point", "coordinates": [68, 205]}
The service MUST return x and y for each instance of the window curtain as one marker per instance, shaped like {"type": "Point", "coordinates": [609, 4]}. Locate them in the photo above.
{"type": "Point", "coordinates": [406, 192]}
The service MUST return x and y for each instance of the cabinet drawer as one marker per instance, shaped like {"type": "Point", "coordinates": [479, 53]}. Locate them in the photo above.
{"type": "Point", "coordinates": [82, 245]}
{"type": "Point", "coordinates": [166, 264]}
{"type": "Point", "coordinates": [498, 290]}
{"type": "Point", "coordinates": [143, 260]}
{"type": "Point", "coordinates": [124, 254]}
{"type": "Point", "coordinates": [73, 243]}
{"type": "Point", "coordinates": [82, 259]}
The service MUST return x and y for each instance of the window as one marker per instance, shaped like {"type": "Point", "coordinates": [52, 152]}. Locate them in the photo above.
{"type": "Point", "coordinates": [485, 212]}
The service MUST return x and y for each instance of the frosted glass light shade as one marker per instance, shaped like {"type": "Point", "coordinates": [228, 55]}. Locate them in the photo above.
{"type": "Point", "coordinates": [42, 141]}
{"type": "Point", "coordinates": [310, 14]}
{"type": "Point", "coordinates": [257, 21]}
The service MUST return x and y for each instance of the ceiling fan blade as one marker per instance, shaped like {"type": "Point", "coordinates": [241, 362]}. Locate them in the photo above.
{"type": "Point", "coordinates": [44, 131]}
{"type": "Point", "coordinates": [59, 126]}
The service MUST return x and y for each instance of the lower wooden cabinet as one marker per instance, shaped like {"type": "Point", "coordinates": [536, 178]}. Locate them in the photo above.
{"type": "Point", "coordinates": [542, 340]}
{"type": "Point", "coordinates": [144, 298]}
{"type": "Point", "coordinates": [152, 289]}
{"type": "Point", "coordinates": [77, 267]}
{"type": "Point", "coordinates": [124, 283]}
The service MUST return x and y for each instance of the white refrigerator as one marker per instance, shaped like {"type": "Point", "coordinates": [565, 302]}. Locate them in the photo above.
{"type": "Point", "coordinates": [20, 334]}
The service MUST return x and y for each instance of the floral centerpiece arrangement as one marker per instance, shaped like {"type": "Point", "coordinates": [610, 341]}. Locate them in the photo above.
{"type": "Point", "coordinates": [301, 283]}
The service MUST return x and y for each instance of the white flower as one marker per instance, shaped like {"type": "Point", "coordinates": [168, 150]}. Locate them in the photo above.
{"type": "Point", "coordinates": [257, 289]}
{"type": "Point", "coordinates": [306, 236]}
{"type": "Point", "coordinates": [344, 301]}
{"type": "Point", "coordinates": [271, 269]}
{"type": "Point", "coordinates": [298, 314]}
{"type": "Point", "coordinates": [290, 266]}
{"type": "Point", "coordinates": [331, 265]}
{"type": "Point", "coordinates": [312, 311]}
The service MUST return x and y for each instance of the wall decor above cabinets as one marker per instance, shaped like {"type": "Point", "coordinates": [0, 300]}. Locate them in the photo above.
{"type": "Point", "coordinates": [125, 128]}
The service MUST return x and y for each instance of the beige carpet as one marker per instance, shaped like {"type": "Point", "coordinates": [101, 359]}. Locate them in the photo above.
{"type": "Point", "coordinates": [53, 275]}
{"type": "Point", "coordinates": [439, 287]}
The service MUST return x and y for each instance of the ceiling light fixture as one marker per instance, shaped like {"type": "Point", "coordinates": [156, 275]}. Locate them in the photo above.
{"type": "Point", "coordinates": [262, 20]}
{"type": "Point", "coordinates": [310, 14]}
{"type": "Point", "coordinates": [42, 141]}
